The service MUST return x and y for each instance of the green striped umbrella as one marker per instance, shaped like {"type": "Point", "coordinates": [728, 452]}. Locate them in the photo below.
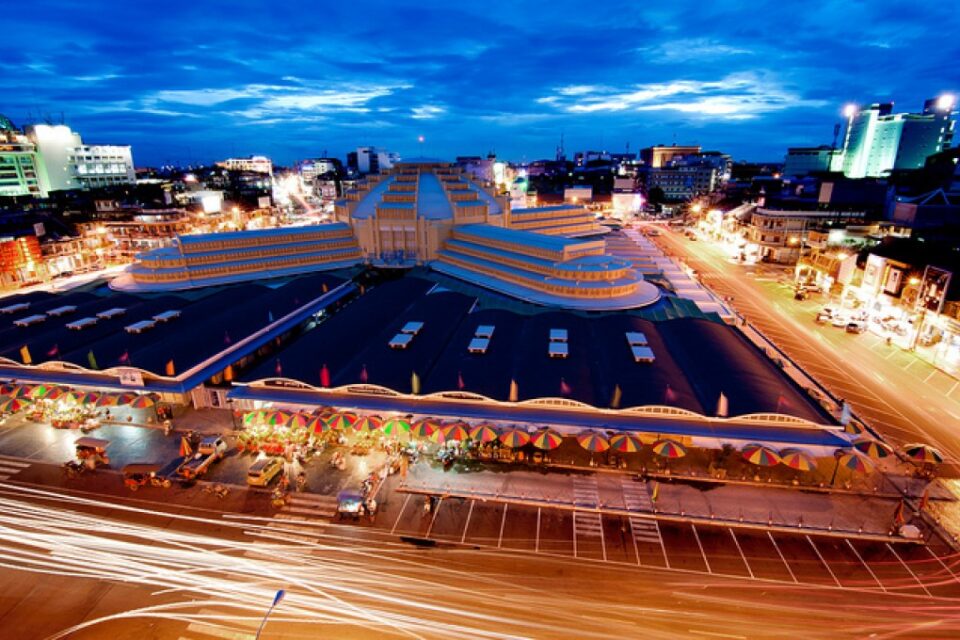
{"type": "Point", "coordinates": [547, 439]}
{"type": "Point", "coordinates": [12, 405]}
{"type": "Point", "coordinates": [593, 442]}
{"type": "Point", "coordinates": [298, 421]}
{"type": "Point", "coordinates": [514, 438]}
{"type": "Point", "coordinates": [395, 426]}
{"type": "Point", "coordinates": [342, 420]}
{"type": "Point", "coordinates": [667, 448]}
{"type": "Point", "coordinates": [483, 432]}
{"type": "Point", "coordinates": [426, 427]}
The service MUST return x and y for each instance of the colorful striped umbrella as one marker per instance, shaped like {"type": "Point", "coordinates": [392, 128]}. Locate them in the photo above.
{"type": "Point", "coordinates": [593, 442]}
{"type": "Point", "coordinates": [90, 397]}
{"type": "Point", "coordinates": [854, 462]}
{"type": "Point", "coordinates": [252, 417]}
{"type": "Point", "coordinates": [126, 398]}
{"type": "Point", "coordinates": [395, 426]}
{"type": "Point", "coordinates": [760, 455]}
{"type": "Point", "coordinates": [625, 443]}
{"type": "Point", "coordinates": [872, 448]}
{"type": "Point", "coordinates": [318, 424]}
{"type": "Point", "coordinates": [55, 393]}
{"type": "Point", "coordinates": [40, 391]}
{"type": "Point", "coordinates": [484, 432]}
{"type": "Point", "coordinates": [853, 427]}
{"type": "Point", "coordinates": [426, 427]}
{"type": "Point", "coordinates": [458, 431]}
{"type": "Point", "coordinates": [5, 389]}
{"type": "Point", "coordinates": [668, 448]}
{"type": "Point", "coordinates": [547, 439]}
{"type": "Point", "coordinates": [797, 459]}
{"type": "Point", "coordinates": [74, 396]}
{"type": "Point", "coordinates": [342, 420]}
{"type": "Point", "coordinates": [12, 405]}
{"type": "Point", "coordinates": [923, 453]}
{"type": "Point", "coordinates": [142, 402]}
{"type": "Point", "coordinates": [368, 423]}
{"type": "Point", "coordinates": [106, 400]}
{"type": "Point", "coordinates": [20, 391]}
{"type": "Point", "coordinates": [514, 438]}
{"type": "Point", "coordinates": [298, 421]}
{"type": "Point", "coordinates": [276, 418]}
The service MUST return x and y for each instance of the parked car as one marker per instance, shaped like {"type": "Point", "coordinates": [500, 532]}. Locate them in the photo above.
{"type": "Point", "coordinates": [262, 472]}
{"type": "Point", "coordinates": [856, 326]}
{"type": "Point", "coordinates": [213, 445]}
{"type": "Point", "coordinates": [839, 320]}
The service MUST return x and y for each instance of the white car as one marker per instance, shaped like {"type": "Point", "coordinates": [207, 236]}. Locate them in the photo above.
{"type": "Point", "coordinates": [839, 320]}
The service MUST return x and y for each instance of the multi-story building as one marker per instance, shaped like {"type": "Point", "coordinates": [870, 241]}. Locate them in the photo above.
{"type": "Point", "coordinates": [372, 160]}
{"type": "Point", "coordinates": [660, 155]}
{"type": "Point", "coordinates": [67, 163]}
{"type": "Point", "coordinates": [102, 165]}
{"type": "Point", "coordinates": [802, 161]}
{"type": "Point", "coordinates": [686, 177]}
{"type": "Point", "coordinates": [780, 236]}
{"type": "Point", "coordinates": [257, 164]}
{"type": "Point", "coordinates": [18, 162]}
{"type": "Point", "coordinates": [878, 141]}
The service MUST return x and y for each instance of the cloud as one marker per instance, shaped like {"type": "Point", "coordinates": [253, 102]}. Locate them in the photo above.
{"type": "Point", "coordinates": [690, 49]}
{"type": "Point", "coordinates": [736, 96]}
{"type": "Point", "coordinates": [427, 112]}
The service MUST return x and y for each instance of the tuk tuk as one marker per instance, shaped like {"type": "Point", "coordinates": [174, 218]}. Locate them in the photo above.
{"type": "Point", "coordinates": [92, 451]}
{"type": "Point", "coordinates": [137, 475]}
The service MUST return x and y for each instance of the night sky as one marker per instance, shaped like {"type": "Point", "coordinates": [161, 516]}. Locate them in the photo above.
{"type": "Point", "coordinates": [196, 81]}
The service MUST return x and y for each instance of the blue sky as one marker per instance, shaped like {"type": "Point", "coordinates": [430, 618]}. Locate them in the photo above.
{"type": "Point", "coordinates": [200, 80]}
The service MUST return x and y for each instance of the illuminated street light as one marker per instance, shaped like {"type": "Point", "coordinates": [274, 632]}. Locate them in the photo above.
{"type": "Point", "coordinates": [696, 208]}
{"type": "Point", "coordinates": [849, 110]}
{"type": "Point", "coordinates": [945, 102]}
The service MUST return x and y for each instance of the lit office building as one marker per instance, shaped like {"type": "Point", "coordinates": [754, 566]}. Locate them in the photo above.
{"type": "Point", "coordinates": [18, 162]}
{"type": "Point", "coordinates": [257, 164]}
{"type": "Point", "coordinates": [67, 163]}
{"type": "Point", "coordinates": [102, 165]}
{"type": "Point", "coordinates": [878, 141]}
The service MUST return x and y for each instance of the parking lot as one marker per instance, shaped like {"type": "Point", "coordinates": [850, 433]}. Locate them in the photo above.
{"type": "Point", "coordinates": [712, 550]}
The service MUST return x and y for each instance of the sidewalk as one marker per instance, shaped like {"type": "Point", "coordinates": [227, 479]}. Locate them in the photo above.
{"type": "Point", "coordinates": [852, 515]}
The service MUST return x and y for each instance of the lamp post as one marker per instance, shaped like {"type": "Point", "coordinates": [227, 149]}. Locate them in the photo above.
{"type": "Point", "coordinates": [276, 600]}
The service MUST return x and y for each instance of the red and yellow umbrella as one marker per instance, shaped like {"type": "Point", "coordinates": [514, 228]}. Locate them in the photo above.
{"type": "Point", "coordinates": [872, 448]}
{"type": "Point", "coordinates": [760, 455]}
{"type": "Point", "coordinates": [318, 425]}
{"type": "Point", "coordinates": [457, 431]}
{"type": "Point", "coordinates": [797, 459]}
{"type": "Point", "coordinates": [55, 393]}
{"type": "Point", "coordinates": [854, 427]}
{"type": "Point", "coordinates": [368, 423]}
{"type": "Point", "coordinates": [854, 462]}
{"type": "Point", "coordinates": [625, 443]}
{"type": "Point", "coordinates": [394, 426]}
{"type": "Point", "coordinates": [12, 405]}
{"type": "Point", "coordinates": [341, 420]}
{"type": "Point", "coordinates": [514, 438]}
{"type": "Point", "coordinates": [107, 400]}
{"type": "Point", "coordinates": [593, 442]}
{"type": "Point", "coordinates": [252, 417]}
{"type": "Point", "coordinates": [923, 453]}
{"type": "Point", "coordinates": [667, 448]}
{"type": "Point", "coordinates": [426, 427]}
{"type": "Point", "coordinates": [43, 391]}
{"type": "Point", "coordinates": [298, 421]}
{"type": "Point", "coordinates": [483, 432]}
{"type": "Point", "coordinates": [6, 389]}
{"type": "Point", "coordinates": [547, 439]}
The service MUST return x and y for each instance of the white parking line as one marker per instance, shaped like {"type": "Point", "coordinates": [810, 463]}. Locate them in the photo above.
{"type": "Point", "coordinates": [745, 563]}
{"type": "Point", "coordinates": [436, 510]}
{"type": "Point", "coordinates": [636, 549]}
{"type": "Point", "coordinates": [909, 570]}
{"type": "Point", "coordinates": [819, 555]}
{"type": "Point", "coordinates": [866, 566]}
{"type": "Point", "coordinates": [603, 543]}
{"type": "Point", "coordinates": [702, 553]}
{"type": "Point", "coordinates": [503, 522]}
{"type": "Point", "coordinates": [942, 563]}
{"type": "Point", "coordinates": [467, 523]}
{"type": "Point", "coordinates": [780, 553]}
{"type": "Point", "coordinates": [400, 515]}
{"type": "Point", "coordinates": [536, 547]}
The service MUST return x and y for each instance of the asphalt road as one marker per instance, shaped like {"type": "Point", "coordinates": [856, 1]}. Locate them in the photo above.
{"type": "Point", "coordinates": [903, 401]}
{"type": "Point", "coordinates": [124, 572]}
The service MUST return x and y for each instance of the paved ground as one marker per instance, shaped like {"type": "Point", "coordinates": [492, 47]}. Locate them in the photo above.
{"type": "Point", "coordinates": [896, 393]}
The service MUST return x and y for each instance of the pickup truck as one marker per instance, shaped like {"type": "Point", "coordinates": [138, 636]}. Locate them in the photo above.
{"type": "Point", "coordinates": [209, 452]}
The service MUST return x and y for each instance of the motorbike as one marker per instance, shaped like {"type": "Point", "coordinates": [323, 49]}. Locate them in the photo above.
{"type": "Point", "coordinates": [217, 489]}
{"type": "Point", "coordinates": [74, 468]}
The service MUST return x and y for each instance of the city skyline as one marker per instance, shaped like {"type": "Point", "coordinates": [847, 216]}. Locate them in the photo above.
{"type": "Point", "coordinates": [200, 83]}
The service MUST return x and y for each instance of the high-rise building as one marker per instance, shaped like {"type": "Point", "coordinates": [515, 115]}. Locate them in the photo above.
{"type": "Point", "coordinates": [802, 161]}
{"type": "Point", "coordinates": [67, 163]}
{"type": "Point", "coordinates": [878, 141]}
{"type": "Point", "coordinates": [18, 162]}
{"type": "Point", "coordinates": [658, 156]}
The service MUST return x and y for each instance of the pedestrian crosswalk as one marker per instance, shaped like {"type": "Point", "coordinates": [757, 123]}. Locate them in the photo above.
{"type": "Point", "coordinates": [301, 520]}
{"type": "Point", "coordinates": [636, 497]}
{"type": "Point", "coordinates": [10, 467]}
{"type": "Point", "coordinates": [585, 491]}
